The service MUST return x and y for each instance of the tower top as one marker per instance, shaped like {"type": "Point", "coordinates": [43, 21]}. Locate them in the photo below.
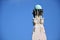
{"type": "Point", "coordinates": [38, 7]}
{"type": "Point", "coordinates": [37, 11]}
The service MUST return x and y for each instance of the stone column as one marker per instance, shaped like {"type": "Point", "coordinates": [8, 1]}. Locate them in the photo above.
{"type": "Point", "coordinates": [38, 23]}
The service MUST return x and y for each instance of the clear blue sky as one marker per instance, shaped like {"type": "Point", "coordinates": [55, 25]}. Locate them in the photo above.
{"type": "Point", "coordinates": [16, 19]}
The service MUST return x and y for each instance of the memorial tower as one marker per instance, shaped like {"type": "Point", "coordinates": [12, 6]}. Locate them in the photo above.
{"type": "Point", "coordinates": [38, 23]}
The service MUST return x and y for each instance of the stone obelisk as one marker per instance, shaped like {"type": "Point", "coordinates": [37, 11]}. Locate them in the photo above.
{"type": "Point", "coordinates": [38, 22]}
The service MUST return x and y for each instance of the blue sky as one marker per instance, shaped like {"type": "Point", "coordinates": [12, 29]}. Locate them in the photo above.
{"type": "Point", "coordinates": [16, 19]}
